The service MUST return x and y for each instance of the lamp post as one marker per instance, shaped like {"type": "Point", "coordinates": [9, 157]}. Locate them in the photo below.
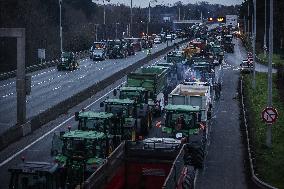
{"type": "Point", "coordinates": [254, 36]}
{"type": "Point", "coordinates": [60, 26]}
{"type": "Point", "coordinates": [269, 101]}
{"type": "Point", "coordinates": [149, 14]}
{"type": "Point", "coordinates": [131, 19]}
{"type": "Point", "coordinates": [116, 30]}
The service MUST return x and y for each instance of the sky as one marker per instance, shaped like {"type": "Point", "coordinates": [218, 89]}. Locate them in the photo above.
{"type": "Point", "coordinates": [144, 3]}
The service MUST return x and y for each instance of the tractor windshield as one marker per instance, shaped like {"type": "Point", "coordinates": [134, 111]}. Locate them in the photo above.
{"type": "Point", "coordinates": [132, 95]}
{"type": "Point", "coordinates": [84, 148]}
{"type": "Point", "coordinates": [180, 120]}
{"type": "Point", "coordinates": [120, 109]}
{"type": "Point", "coordinates": [92, 124]}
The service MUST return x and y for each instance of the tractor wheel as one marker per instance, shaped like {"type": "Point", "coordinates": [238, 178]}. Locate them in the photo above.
{"type": "Point", "coordinates": [144, 126]}
{"type": "Point", "coordinates": [188, 182]}
{"type": "Point", "coordinates": [194, 155]}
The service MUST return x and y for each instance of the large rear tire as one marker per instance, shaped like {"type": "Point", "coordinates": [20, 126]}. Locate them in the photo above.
{"type": "Point", "coordinates": [188, 182]}
{"type": "Point", "coordinates": [194, 155]}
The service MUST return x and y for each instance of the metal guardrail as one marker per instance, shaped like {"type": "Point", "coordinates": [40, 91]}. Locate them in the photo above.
{"type": "Point", "coordinates": [254, 178]}
{"type": "Point", "coordinates": [36, 67]}
{"type": "Point", "coordinates": [175, 172]}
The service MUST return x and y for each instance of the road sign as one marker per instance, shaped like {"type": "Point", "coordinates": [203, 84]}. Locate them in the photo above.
{"type": "Point", "coordinates": [41, 53]}
{"type": "Point", "coordinates": [269, 115]}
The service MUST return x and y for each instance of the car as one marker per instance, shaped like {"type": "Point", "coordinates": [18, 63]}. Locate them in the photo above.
{"type": "Point", "coordinates": [98, 54]}
{"type": "Point", "coordinates": [246, 66]}
{"type": "Point", "coordinates": [157, 40]}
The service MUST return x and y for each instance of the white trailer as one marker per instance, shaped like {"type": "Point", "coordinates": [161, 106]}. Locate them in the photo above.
{"type": "Point", "coordinates": [194, 95]}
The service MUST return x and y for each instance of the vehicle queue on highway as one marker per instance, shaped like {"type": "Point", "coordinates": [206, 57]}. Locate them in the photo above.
{"type": "Point", "coordinates": [110, 148]}
{"type": "Point", "coordinates": [119, 48]}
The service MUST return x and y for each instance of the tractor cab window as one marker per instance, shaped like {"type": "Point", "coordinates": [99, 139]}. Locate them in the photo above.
{"type": "Point", "coordinates": [180, 121]}
{"type": "Point", "coordinates": [74, 147]}
{"type": "Point", "coordinates": [132, 95]}
{"type": "Point", "coordinates": [119, 109]}
{"type": "Point", "coordinates": [29, 181]}
{"type": "Point", "coordinates": [92, 124]}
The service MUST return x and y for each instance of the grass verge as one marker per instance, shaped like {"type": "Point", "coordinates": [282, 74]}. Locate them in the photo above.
{"type": "Point", "coordinates": [269, 163]}
{"type": "Point", "coordinates": [276, 59]}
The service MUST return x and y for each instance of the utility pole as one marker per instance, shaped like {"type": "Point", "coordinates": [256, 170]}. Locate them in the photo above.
{"type": "Point", "coordinates": [96, 30]}
{"type": "Point", "coordinates": [254, 38]}
{"type": "Point", "coordinates": [248, 19]}
{"type": "Point", "coordinates": [60, 26]}
{"type": "Point", "coordinates": [179, 13]}
{"type": "Point", "coordinates": [149, 17]}
{"type": "Point", "coordinates": [265, 27]}
{"type": "Point", "coordinates": [116, 30]}
{"type": "Point", "coordinates": [131, 19]}
{"type": "Point", "coordinates": [269, 129]}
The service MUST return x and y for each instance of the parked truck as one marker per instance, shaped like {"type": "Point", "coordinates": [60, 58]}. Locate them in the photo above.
{"type": "Point", "coordinates": [150, 164]}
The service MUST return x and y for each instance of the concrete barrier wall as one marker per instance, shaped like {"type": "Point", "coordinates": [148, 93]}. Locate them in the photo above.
{"type": "Point", "coordinates": [16, 132]}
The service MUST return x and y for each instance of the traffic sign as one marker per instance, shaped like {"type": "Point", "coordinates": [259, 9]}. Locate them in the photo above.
{"type": "Point", "coordinates": [269, 115]}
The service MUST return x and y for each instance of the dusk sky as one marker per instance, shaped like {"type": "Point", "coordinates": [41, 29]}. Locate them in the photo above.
{"type": "Point", "coordinates": [144, 3]}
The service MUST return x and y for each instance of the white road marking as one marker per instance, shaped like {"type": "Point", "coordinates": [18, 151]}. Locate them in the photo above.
{"type": "Point", "coordinates": [49, 132]}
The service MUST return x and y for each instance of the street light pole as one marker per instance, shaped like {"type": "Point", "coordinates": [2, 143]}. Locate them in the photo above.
{"type": "Point", "coordinates": [264, 41]}
{"type": "Point", "coordinates": [131, 19]}
{"type": "Point", "coordinates": [149, 17]}
{"type": "Point", "coordinates": [60, 25]}
{"type": "Point", "coordinates": [269, 130]}
{"type": "Point", "coordinates": [254, 38]}
{"type": "Point", "coordinates": [116, 30]}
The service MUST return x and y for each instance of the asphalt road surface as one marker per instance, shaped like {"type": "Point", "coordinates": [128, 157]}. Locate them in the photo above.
{"type": "Point", "coordinates": [224, 165]}
{"type": "Point", "coordinates": [49, 86]}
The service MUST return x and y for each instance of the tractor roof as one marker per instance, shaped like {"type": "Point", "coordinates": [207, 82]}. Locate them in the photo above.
{"type": "Point", "coordinates": [165, 64]}
{"type": "Point", "coordinates": [78, 134]}
{"type": "Point", "coordinates": [34, 167]}
{"type": "Point", "coordinates": [160, 67]}
{"type": "Point", "coordinates": [95, 115]}
{"type": "Point", "coordinates": [119, 101]}
{"type": "Point", "coordinates": [182, 108]}
{"type": "Point", "coordinates": [132, 89]}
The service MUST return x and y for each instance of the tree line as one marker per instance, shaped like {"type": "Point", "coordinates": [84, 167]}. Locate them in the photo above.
{"type": "Point", "coordinates": [81, 19]}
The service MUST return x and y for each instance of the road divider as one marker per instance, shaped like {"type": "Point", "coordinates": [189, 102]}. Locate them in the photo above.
{"type": "Point", "coordinates": [16, 132]}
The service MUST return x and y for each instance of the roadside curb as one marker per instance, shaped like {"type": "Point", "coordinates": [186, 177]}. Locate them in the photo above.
{"type": "Point", "coordinates": [17, 131]}
{"type": "Point", "coordinates": [259, 183]}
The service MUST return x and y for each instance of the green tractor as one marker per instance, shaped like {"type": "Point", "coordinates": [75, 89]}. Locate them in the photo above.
{"type": "Point", "coordinates": [184, 122]}
{"type": "Point", "coordinates": [136, 118]}
{"type": "Point", "coordinates": [68, 62]}
{"type": "Point", "coordinates": [80, 153]}
{"type": "Point", "coordinates": [104, 122]}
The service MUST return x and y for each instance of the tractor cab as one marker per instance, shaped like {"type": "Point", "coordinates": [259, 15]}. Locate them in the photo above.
{"type": "Point", "coordinates": [67, 62]}
{"type": "Point", "coordinates": [139, 94]}
{"type": "Point", "coordinates": [126, 110]}
{"type": "Point", "coordinates": [182, 120]}
{"type": "Point", "coordinates": [38, 175]}
{"type": "Point", "coordinates": [96, 121]}
{"type": "Point", "coordinates": [80, 154]}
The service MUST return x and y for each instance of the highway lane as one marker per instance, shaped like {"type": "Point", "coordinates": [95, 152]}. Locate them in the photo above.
{"type": "Point", "coordinates": [49, 86]}
{"type": "Point", "coordinates": [40, 148]}
{"type": "Point", "coordinates": [224, 165]}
